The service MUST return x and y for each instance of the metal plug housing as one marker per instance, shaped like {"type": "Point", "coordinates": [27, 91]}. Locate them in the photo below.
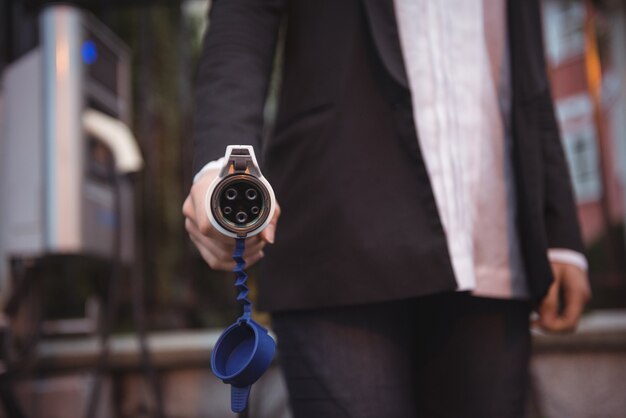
{"type": "Point", "coordinates": [240, 202]}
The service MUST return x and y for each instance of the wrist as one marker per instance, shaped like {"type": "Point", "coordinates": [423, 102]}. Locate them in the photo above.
{"type": "Point", "coordinates": [567, 256]}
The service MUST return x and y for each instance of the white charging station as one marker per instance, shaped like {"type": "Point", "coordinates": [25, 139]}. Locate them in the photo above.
{"type": "Point", "coordinates": [64, 124]}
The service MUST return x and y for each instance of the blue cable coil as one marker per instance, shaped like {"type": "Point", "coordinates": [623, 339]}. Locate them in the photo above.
{"type": "Point", "coordinates": [241, 278]}
{"type": "Point", "coordinates": [245, 350]}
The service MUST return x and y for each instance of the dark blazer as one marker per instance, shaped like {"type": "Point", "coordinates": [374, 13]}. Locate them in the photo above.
{"type": "Point", "coordinates": [359, 221]}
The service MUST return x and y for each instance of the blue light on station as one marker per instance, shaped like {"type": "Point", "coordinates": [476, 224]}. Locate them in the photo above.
{"type": "Point", "coordinates": [89, 52]}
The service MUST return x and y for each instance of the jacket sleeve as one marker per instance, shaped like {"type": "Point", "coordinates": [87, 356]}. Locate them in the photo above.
{"type": "Point", "coordinates": [559, 206]}
{"type": "Point", "coordinates": [561, 218]}
{"type": "Point", "coordinates": [233, 76]}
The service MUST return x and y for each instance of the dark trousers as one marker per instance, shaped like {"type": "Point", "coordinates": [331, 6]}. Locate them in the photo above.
{"type": "Point", "coordinates": [449, 355]}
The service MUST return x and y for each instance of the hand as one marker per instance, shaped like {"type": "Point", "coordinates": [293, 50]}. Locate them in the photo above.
{"type": "Point", "coordinates": [570, 283]}
{"type": "Point", "coordinates": [214, 247]}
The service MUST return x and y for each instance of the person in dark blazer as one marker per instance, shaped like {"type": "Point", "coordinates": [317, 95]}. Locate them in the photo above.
{"type": "Point", "coordinates": [362, 276]}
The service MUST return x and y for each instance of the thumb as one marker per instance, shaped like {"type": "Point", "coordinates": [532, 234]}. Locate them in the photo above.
{"type": "Point", "coordinates": [548, 309]}
{"type": "Point", "coordinates": [269, 233]}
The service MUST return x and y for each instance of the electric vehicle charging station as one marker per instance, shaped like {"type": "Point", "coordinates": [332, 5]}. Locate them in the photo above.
{"type": "Point", "coordinates": [65, 154]}
{"type": "Point", "coordinates": [57, 147]}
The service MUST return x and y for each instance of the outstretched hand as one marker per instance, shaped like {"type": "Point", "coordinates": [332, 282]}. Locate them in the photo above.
{"type": "Point", "coordinates": [214, 247]}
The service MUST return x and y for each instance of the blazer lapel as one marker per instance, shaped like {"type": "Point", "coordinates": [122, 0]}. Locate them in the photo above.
{"type": "Point", "coordinates": [381, 18]}
{"type": "Point", "coordinates": [525, 41]}
{"type": "Point", "coordinates": [528, 67]}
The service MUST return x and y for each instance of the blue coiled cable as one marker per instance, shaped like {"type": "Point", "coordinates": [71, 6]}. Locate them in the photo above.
{"type": "Point", "coordinates": [241, 279]}
{"type": "Point", "coordinates": [245, 350]}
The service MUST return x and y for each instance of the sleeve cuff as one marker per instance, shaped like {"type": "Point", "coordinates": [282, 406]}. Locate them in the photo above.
{"type": "Point", "coordinates": [565, 256]}
{"type": "Point", "coordinates": [208, 166]}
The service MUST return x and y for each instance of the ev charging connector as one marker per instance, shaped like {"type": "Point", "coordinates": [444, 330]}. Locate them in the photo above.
{"type": "Point", "coordinates": [240, 203]}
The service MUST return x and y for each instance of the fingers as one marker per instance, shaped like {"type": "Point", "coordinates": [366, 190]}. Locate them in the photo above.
{"type": "Point", "coordinates": [227, 244]}
{"type": "Point", "coordinates": [549, 308]}
{"type": "Point", "coordinates": [219, 254]}
{"type": "Point", "coordinates": [269, 233]}
{"type": "Point", "coordinates": [576, 294]}
{"type": "Point", "coordinates": [217, 263]}
{"type": "Point", "coordinates": [570, 282]}
{"type": "Point", "coordinates": [188, 210]}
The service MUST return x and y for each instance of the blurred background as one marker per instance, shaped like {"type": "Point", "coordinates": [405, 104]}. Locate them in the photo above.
{"type": "Point", "coordinates": [108, 311]}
